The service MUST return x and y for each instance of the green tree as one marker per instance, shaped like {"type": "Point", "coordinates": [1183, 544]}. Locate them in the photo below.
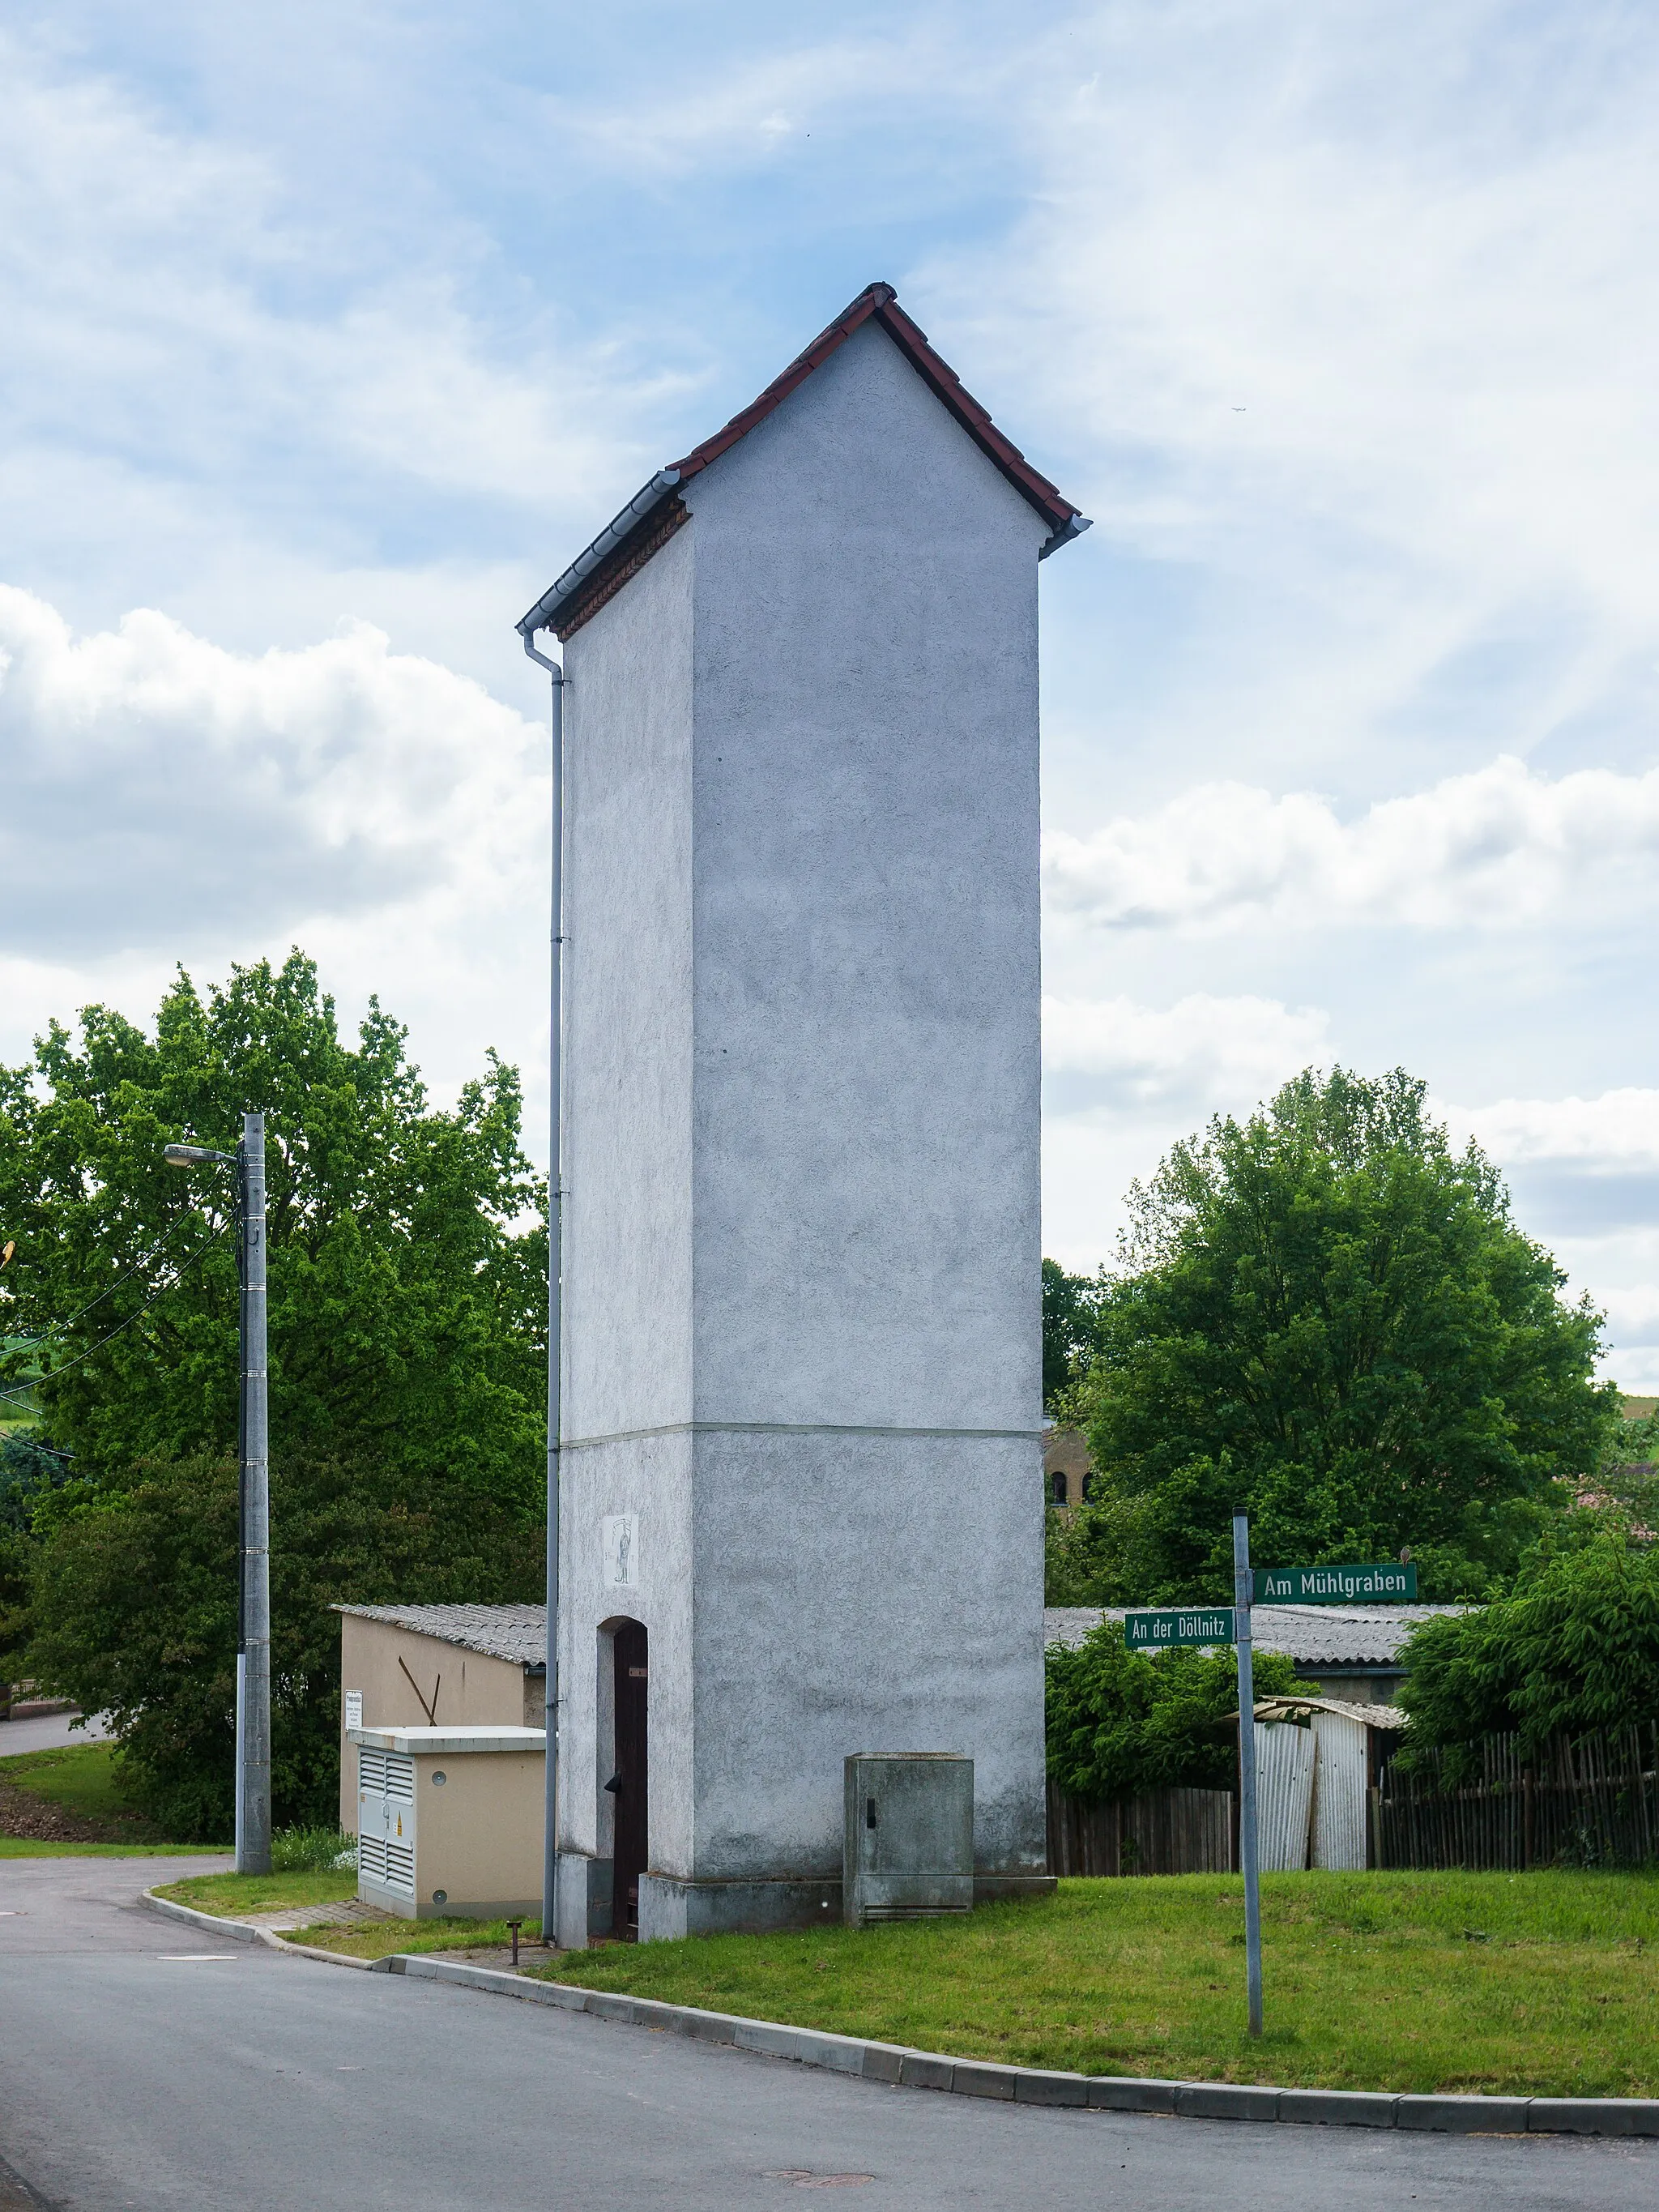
{"type": "Point", "coordinates": [135, 1611]}
{"type": "Point", "coordinates": [1324, 1316]}
{"type": "Point", "coordinates": [1574, 1646]}
{"type": "Point", "coordinates": [16, 1559]}
{"type": "Point", "coordinates": [407, 1245]}
{"type": "Point", "coordinates": [1070, 1329]}
{"type": "Point", "coordinates": [1119, 1721]}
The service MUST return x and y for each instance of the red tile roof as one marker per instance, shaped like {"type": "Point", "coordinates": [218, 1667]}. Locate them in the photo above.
{"type": "Point", "coordinates": [880, 303]}
{"type": "Point", "coordinates": [627, 542]}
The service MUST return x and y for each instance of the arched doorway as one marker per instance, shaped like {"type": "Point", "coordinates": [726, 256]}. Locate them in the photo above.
{"type": "Point", "coordinates": [629, 1785]}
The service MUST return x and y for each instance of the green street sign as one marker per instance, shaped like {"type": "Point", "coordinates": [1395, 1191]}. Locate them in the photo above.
{"type": "Point", "coordinates": [1156, 1631]}
{"type": "Point", "coordinates": [1336, 1585]}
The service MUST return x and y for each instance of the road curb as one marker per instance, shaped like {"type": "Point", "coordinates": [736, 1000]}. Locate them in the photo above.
{"type": "Point", "coordinates": [895, 2065]}
{"type": "Point", "coordinates": [244, 1931]}
{"type": "Point", "coordinates": [237, 1931]}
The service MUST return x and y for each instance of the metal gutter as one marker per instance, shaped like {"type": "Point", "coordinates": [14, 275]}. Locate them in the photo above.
{"type": "Point", "coordinates": [540, 616]}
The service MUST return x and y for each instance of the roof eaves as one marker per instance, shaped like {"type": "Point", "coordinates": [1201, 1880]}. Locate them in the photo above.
{"type": "Point", "coordinates": [878, 302]}
{"type": "Point", "coordinates": [593, 557]}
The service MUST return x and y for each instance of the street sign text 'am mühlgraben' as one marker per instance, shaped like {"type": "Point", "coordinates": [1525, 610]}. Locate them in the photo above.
{"type": "Point", "coordinates": [1396, 1581]}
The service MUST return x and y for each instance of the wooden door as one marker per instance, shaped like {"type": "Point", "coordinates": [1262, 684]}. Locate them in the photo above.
{"type": "Point", "coordinates": [633, 1680]}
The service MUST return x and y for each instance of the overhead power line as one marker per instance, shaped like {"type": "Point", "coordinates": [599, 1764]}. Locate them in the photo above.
{"type": "Point", "coordinates": [160, 1291]}
{"type": "Point", "coordinates": [141, 1262]}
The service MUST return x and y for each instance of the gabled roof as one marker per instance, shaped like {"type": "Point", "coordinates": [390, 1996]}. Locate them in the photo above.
{"type": "Point", "coordinates": [656, 511]}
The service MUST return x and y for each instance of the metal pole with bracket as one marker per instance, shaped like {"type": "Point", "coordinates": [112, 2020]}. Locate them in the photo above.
{"type": "Point", "coordinates": [1243, 1592]}
{"type": "Point", "coordinates": [253, 1842]}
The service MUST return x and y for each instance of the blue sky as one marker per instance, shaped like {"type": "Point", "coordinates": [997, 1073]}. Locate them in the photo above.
{"type": "Point", "coordinates": [334, 332]}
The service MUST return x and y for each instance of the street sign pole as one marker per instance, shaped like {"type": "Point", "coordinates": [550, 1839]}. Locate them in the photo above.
{"type": "Point", "coordinates": [1243, 1589]}
{"type": "Point", "coordinates": [253, 1746]}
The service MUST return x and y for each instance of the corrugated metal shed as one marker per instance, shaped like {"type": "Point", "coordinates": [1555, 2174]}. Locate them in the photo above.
{"type": "Point", "coordinates": [1284, 1796]}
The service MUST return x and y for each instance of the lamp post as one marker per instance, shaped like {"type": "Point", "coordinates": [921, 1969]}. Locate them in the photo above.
{"type": "Point", "coordinates": [253, 1452]}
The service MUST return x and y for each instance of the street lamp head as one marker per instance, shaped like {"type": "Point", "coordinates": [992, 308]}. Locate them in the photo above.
{"type": "Point", "coordinates": [187, 1156]}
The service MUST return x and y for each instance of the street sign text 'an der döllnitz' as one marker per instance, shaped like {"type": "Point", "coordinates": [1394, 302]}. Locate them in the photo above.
{"type": "Point", "coordinates": [1157, 1630]}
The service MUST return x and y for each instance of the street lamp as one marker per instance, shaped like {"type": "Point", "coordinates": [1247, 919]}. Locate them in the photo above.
{"type": "Point", "coordinates": [253, 1454]}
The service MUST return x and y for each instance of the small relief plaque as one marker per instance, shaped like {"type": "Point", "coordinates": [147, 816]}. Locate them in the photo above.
{"type": "Point", "coordinates": [354, 1709]}
{"type": "Point", "coordinates": [621, 1549]}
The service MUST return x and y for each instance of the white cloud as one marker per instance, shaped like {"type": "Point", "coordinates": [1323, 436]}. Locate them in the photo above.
{"type": "Point", "coordinates": [1122, 1080]}
{"type": "Point", "coordinates": [1109, 1056]}
{"type": "Point", "coordinates": [1496, 849]}
{"type": "Point", "coordinates": [1583, 1178]}
{"type": "Point", "coordinates": [211, 360]}
{"type": "Point", "coordinates": [1341, 319]}
{"type": "Point", "coordinates": [747, 108]}
{"type": "Point", "coordinates": [1609, 1135]}
{"type": "Point", "coordinates": [158, 787]}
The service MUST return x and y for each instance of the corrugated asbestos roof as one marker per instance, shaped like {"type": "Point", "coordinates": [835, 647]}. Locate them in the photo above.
{"type": "Point", "coordinates": [500, 1631]}
{"type": "Point", "coordinates": [650, 517]}
{"type": "Point", "coordinates": [1318, 1635]}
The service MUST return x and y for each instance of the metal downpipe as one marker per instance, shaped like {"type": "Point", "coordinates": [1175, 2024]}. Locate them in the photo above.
{"type": "Point", "coordinates": [554, 1297]}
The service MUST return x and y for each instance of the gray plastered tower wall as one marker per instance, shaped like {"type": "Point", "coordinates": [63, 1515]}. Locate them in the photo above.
{"type": "Point", "coordinates": [801, 1240]}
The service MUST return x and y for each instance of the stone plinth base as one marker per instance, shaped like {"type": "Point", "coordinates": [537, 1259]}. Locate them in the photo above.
{"type": "Point", "coordinates": [671, 1906]}
{"type": "Point", "coordinates": [585, 1897]}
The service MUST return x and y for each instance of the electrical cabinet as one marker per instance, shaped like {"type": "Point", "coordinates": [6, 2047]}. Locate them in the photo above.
{"type": "Point", "coordinates": [909, 1851]}
{"type": "Point", "coordinates": [450, 1822]}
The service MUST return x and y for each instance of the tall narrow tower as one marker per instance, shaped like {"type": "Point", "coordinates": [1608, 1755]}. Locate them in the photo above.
{"type": "Point", "coordinates": [801, 1496]}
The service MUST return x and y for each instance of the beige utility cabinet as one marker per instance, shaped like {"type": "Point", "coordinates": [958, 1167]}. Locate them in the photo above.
{"type": "Point", "coordinates": [450, 1822]}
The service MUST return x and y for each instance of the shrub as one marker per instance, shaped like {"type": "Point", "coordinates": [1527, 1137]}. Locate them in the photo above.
{"type": "Point", "coordinates": [1574, 1647]}
{"type": "Point", "coordinates": [1121, 1721]}
{"type": "Point", "coordinates": [312, 1851]}
{"type": "Point", "coordinates": [134, 1612]}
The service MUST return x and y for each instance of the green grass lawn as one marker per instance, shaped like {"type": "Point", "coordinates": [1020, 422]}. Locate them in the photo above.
{"type": "Point", "coordinates": [378, 1938]}
{"type": "Point", "coordinates": [27, 1847]}
{"type": "Point", "coordinates": [233, 1894]}
{"type": "Point", "coordinates": [82, 1779]}
{"type": "Point", "coordinates": [230, 1895]}
{"type": "Point", "coordinates": [1542, 1984]}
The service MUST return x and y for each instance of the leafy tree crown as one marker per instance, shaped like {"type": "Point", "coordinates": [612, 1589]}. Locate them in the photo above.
{"type": "Point", "coordinates": [1325, 1314]}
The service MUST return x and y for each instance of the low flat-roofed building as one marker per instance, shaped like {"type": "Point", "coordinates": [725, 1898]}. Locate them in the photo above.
{"type": "Point", "coordinates": [432, 1666]}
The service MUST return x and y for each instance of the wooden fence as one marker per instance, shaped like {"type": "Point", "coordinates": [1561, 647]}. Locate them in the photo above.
{"type": "Point", "coordinates": [1165, 1832]}
{"type": "Point", "coordinates": [1583, 1801]}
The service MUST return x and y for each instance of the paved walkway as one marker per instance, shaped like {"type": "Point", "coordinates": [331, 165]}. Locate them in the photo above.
{"type": "Point", "coordinates": [317, 1916]}
{"type": "Point", "coordinates": [146, 2066]}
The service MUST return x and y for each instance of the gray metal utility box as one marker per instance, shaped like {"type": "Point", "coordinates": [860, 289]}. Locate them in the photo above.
{"type": "Point", "coordinates": [909, 1840]}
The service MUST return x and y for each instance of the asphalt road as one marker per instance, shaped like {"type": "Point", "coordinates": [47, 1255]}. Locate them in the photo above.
{"type": "Point", "coordinates": [144, 2066]}
{"type": "Point", "coordinates": [49, 1732]}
